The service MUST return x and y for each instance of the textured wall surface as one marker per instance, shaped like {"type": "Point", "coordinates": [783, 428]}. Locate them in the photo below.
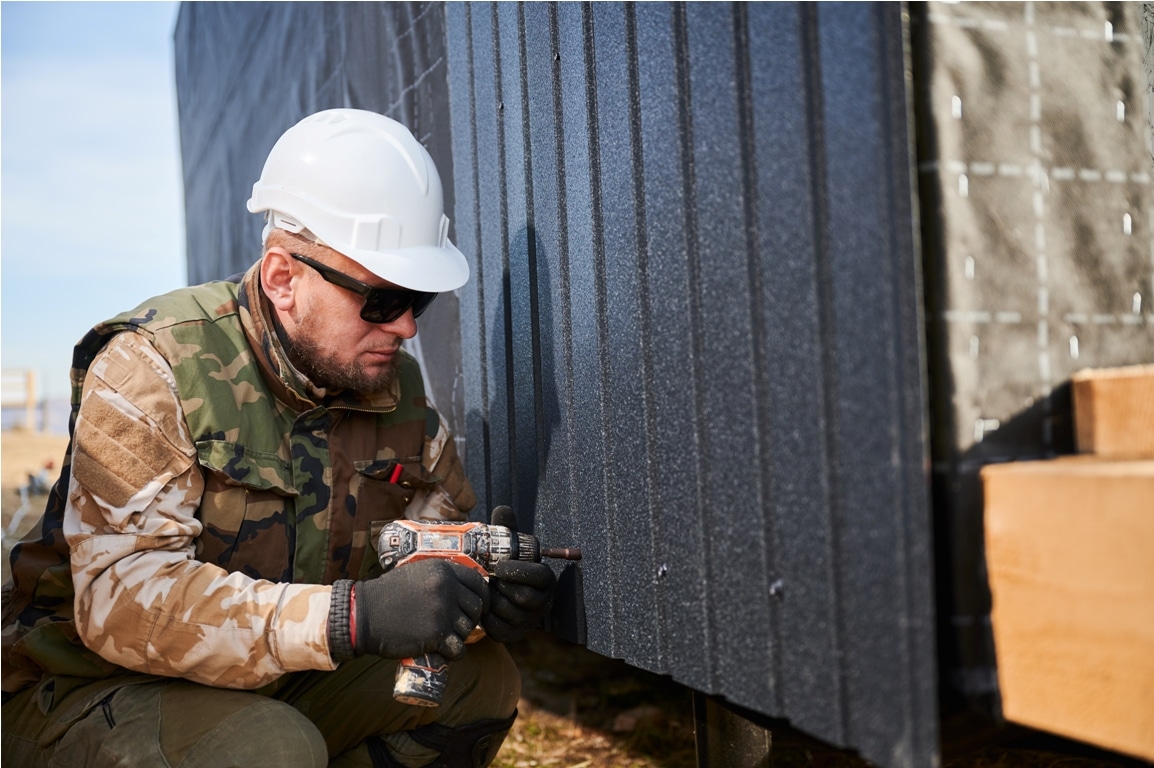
{"type": "Point", "coordinates": [692, 341]}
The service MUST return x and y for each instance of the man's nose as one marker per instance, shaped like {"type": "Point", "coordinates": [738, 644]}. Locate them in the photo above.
{"type": "Point", "coordinates": [404, 326]}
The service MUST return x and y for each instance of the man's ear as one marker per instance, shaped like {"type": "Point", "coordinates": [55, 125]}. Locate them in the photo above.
{"type": "Point", "coordinates": [276, 278]}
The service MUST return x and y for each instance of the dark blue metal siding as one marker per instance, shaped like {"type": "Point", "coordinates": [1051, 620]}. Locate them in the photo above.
{"type": "Point", "coordinates": [671, 338]}
{"type": "Point", "coordinates": [793, 274]}
{"type": "Point", "coordinates": [692, 347]}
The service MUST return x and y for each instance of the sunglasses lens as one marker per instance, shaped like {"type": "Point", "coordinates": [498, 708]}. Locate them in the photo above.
{"type": "Point", "coordinates": [421, 302]}
{"type": "Point", "coordinates": [386, 306]}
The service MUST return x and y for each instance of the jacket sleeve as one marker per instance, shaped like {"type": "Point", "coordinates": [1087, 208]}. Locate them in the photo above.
{"type": "Point", "coordinates": [143, 601]}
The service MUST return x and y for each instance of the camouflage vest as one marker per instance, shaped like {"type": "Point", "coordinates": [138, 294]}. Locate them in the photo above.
{"type": "Point", "coordinates": [293, 487]}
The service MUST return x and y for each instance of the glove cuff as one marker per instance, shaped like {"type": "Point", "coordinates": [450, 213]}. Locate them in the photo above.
{"type": "Point", "coordinates": [340, 622]}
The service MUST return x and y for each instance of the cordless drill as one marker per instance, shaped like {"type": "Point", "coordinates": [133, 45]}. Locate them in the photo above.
{"type": "Point", "coordinates": [421, 681]}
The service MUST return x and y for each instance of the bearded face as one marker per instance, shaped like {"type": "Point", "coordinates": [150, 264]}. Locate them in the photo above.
{"type": "Point", "coordinates": [319, 297]}
{"type": "Point", "coordinates": [314, 350]}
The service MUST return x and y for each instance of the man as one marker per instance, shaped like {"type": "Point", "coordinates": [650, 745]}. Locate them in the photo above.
{"type": "Point", "coordinates": [203, 589]}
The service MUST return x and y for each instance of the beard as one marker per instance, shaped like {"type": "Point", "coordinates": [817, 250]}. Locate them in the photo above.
{"type": "Point", "coordinates": [311, 355]}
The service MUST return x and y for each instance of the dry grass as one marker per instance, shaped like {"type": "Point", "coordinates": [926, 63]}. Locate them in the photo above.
{"type": "Point", "coordinates": [579, 709]}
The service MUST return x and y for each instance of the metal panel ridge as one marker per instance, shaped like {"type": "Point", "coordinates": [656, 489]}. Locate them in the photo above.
{"type": "Point", "coordinates": [692, 343]}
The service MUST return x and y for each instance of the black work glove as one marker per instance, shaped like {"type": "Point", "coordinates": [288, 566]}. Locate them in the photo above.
{"type": "Point", "coordinates": [519, 592]}
{"type": "Point", "coordinates": [429, 606]}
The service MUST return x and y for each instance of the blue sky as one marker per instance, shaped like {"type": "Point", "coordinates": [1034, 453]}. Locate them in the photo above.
{"type": "Point", "coordinates": [91, 201]}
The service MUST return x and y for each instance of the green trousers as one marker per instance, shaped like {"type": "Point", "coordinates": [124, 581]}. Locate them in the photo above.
{"type": "Point", "coordinates": [306, 719]}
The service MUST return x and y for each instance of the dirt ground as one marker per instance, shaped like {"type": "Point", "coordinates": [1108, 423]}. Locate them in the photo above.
{"type": "Point", "coordinates": [581, 710]}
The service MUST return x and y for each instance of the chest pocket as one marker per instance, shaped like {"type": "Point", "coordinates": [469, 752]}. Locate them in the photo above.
{"type": "Point", "coordinates": [246, 511]}
{"type": "Point", "coordinates": [383, 490]}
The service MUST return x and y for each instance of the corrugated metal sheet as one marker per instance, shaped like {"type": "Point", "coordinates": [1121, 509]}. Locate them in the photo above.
{"type": "Point", "coordinates": [692, 341]}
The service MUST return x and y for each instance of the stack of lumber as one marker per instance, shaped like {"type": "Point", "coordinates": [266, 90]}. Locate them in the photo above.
{"type": "Point", "coordinates": [1070, 554]}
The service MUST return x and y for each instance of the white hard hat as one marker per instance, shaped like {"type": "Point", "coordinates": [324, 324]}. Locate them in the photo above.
{"type": "Point", "coordinates": [364, 186]}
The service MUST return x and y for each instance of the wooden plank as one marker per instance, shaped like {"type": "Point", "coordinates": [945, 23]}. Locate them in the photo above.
{"type": "Point", "coordinates": [1114, 411]}
{"type": "Point", "coordinates": [1068, 545]}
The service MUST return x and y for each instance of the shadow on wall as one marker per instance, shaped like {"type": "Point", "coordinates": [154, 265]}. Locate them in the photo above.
{"type": "Point", "coordinates": [523, 403]}
{"type": "Point", "coordinates": [968, 666]}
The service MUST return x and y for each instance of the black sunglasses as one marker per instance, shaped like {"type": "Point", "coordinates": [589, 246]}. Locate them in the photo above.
{"type": "Point", "coordinates": [382, 305]}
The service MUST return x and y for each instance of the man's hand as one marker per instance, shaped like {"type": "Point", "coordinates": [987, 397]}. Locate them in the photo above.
{"type": "Point", "coordinates": [519, 591]}
{"type": "Point", "coordinates": [427, 606]}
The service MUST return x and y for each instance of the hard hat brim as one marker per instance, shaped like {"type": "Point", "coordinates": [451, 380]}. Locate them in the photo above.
{"type": "Point", "coordinates": [431, 269]}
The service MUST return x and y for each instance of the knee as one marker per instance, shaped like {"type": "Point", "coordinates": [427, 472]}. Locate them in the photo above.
{"type": "Point", "coordinates": [484, 683]}
{"type": "Point", "coordinates": [265, 734]}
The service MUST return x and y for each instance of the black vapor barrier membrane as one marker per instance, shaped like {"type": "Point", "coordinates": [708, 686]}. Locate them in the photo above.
{"type": "Point", "coordinates": [692, 342]}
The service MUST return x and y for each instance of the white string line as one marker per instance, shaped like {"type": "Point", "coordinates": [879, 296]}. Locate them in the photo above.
{"type": "Point", "coordinates": [1041, 186]}
{"type": "Point", "coordinates": [1007, 317]}
{"type": "Point", "coordinates": [1014, 170]}
{"type": "Point", "coordinates": [1104, 33]}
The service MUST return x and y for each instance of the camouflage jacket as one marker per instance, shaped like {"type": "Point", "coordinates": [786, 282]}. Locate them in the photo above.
{"type": "Point", "coordinates": [209, 496]}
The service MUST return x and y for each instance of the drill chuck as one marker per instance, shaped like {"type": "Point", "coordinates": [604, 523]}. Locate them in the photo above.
{"type": "Point", "coordinates": [505, 544]}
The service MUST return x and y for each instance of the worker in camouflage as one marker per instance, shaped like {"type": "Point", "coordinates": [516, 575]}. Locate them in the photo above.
{"type": "Point", "coordinates": [203, 589]}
